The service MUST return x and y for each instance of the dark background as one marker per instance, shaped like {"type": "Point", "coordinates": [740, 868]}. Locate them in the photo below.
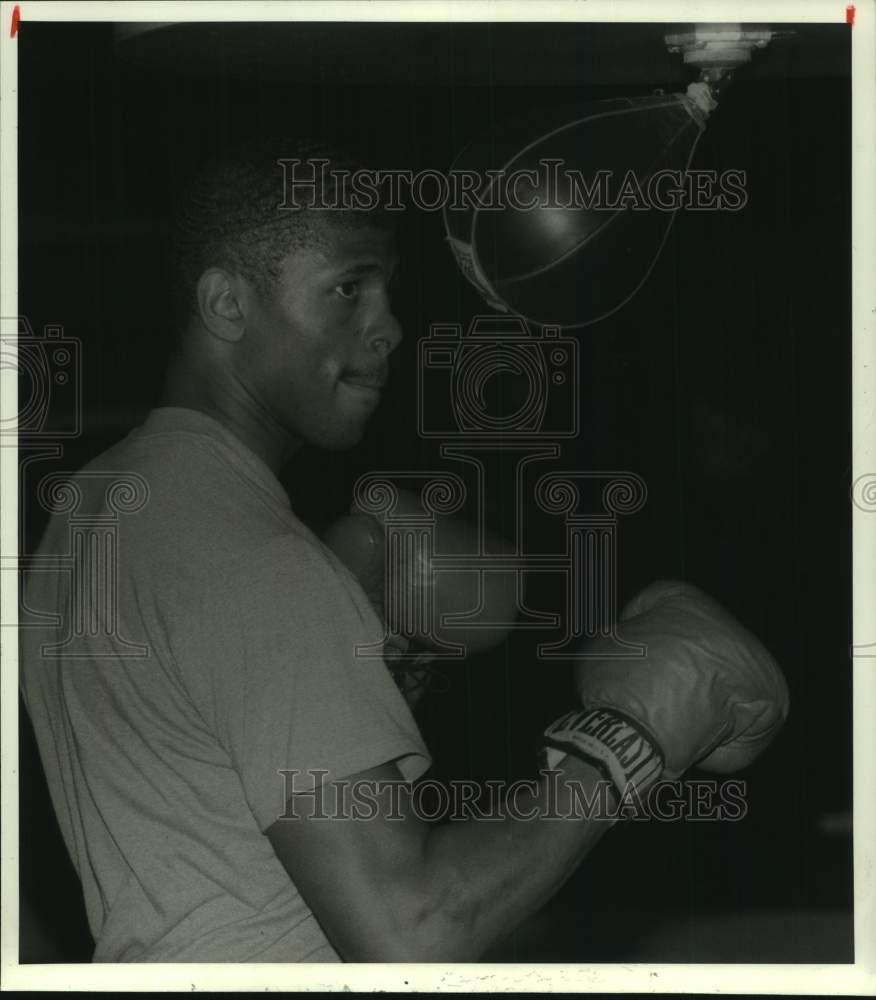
{"type": "Point", "coordinates": [724, 384]}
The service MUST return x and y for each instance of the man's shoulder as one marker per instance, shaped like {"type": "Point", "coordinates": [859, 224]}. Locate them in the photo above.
{"type": "Point", "coordinates": [156, 475]}
{"type": "Point", "coordinates": [160, 452]}
{"type": "Point", "coordinates": [175, 495]}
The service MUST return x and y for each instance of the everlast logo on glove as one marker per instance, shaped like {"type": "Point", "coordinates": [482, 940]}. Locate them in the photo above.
{"type": "Point", "coordinates": [609, 741]}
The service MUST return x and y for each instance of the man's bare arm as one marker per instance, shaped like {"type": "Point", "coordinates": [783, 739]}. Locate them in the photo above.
{"type": "Point", "coordinates": [704, 691]}
{"type": "Point", "coordinates": [403, 890]}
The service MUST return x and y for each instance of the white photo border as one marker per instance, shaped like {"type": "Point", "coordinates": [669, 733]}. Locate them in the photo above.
{"type": "Point", "coordinates": [834, 979]}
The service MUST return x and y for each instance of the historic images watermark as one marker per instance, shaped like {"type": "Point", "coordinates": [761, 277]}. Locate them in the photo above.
{"type": "Point", "coordinates": [89, 626]}
{"type": "Point", "coordinates": [308, 796]}
{"type": "Point", "coordinates": [312, 183]}
{"type": "Point", "coordinates": [456, 410]}
{"type": "Point", "coordinates": [45, 369]}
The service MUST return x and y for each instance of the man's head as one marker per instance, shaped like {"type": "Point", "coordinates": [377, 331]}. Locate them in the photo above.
{"type": "Point", "coordinates": [284, 314]}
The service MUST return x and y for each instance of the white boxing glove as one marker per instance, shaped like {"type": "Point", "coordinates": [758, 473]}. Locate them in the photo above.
{"type": "Point", "coordinates": [706, 692]}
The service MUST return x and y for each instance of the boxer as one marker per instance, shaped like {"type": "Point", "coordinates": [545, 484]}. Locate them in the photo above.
{"type": "Point", "coordinates": [196, 742]}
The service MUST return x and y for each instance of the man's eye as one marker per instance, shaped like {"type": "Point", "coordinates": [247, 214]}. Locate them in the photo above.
{"type": "Point", "coordinates": [348, 289]}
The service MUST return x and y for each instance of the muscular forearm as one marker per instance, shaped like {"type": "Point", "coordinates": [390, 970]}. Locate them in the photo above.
{"type": "Point", "coordinates": [478, 879]}
{"type": "Point", "coordinates": [397, 889]}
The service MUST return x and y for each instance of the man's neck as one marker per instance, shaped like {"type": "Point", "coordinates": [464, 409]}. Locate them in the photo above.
{"type": "Point", "coordinates": [193, 389]}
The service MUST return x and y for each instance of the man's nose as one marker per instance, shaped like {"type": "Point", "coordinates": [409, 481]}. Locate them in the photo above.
{"type": "Point", "coordinates": [383, 334]}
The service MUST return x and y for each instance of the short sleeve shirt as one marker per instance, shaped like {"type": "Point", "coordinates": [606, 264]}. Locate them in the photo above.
{"type": "Point", "coordinates": [208, 654]}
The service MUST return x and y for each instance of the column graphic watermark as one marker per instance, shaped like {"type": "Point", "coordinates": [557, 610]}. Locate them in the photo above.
{"type": "Point", "coordinates": [81, 606]}
{"type": "Point", "coordinates": [456, 411]}
{"type": "Point", "coordinates": [90, 563]}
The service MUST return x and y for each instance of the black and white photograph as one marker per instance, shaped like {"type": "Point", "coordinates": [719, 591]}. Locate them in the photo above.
{"type": "Point", "coordinates": [436, 509]}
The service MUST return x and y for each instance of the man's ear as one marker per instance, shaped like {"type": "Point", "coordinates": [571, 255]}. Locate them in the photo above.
{"type": "Point", "coordinates": [219, 304]}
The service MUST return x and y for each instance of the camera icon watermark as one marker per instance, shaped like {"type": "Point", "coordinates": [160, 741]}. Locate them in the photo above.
{"type": "Point", "coordinates": [500, 395]}
{"type": "Point", "coordinates": [46, 370]}
{"type": "Point", "coordinates": [497, 379]}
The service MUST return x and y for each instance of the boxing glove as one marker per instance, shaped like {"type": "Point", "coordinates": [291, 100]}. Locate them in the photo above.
{"type": "Point", "coordinates": [705, 692]}
{"type": "Point", "coordinates": [425, 596]}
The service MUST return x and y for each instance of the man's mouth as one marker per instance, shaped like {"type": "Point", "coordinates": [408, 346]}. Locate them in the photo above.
{"type": "Point", "coordinates": [374, 380]}
{"type": "Point", "coordinates": [365, 387]}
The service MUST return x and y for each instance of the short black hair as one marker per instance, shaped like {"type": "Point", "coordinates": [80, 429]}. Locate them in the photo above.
{"type": "Point", "coordinates": [230, 215]}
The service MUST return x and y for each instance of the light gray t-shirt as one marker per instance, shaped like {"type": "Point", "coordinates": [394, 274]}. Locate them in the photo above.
{"type": "Point", "coordinates": [164, 768]}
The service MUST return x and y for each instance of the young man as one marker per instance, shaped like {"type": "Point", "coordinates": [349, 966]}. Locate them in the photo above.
{"type": "Point", "coordinates": [190, 782]}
